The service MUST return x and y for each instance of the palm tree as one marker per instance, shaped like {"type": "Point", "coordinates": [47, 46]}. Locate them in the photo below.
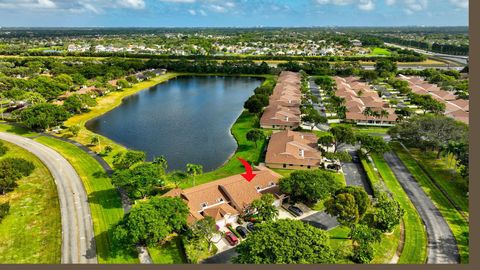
{"type": "Point", "coordinates": [162, 161]}
{"type": "Point", "coordinates": [194, 170]}
{"type": "Point", "coordinates": [383, 113]}
{"type": "Point", "coordinates": [367, 112]}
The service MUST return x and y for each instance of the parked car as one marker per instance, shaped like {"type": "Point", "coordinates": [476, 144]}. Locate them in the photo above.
{"type": "Point", "coordinates": [231, 238]}
{"type": "Point", "coordinates": [242, 231]}
{"type": "Point", "coordinates": [355, 159]}
{"type": "Point", "coordinates": [295, 210]}
{"type": "Point", "coordinates": [251, 227]}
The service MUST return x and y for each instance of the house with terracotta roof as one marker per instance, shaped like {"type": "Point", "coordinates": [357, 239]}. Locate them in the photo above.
{"type": "Point", "coordinates": [455, 108]}
{"type": "Point", "coordinates": [226, 199]}
{"type": "Point", "coordinates": [358, 97]}
{"type": "Point", "coordinates": [293, 150]}
{"type": "Point", "coordinates": [283, 111]}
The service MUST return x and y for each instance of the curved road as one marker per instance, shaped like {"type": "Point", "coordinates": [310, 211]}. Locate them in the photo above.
{"type": "Point", "coordinates": [442, 246]}
{"type": "Point", "coordinates": [78, 243]}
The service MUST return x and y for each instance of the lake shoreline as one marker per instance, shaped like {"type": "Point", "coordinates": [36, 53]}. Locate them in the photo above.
{"type": "Point", "coordinates": [115, 99]}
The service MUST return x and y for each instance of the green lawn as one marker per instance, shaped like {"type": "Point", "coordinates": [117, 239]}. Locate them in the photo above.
{"type": "Point", "coordinates": [168, 253]}
{"type": "Point", "coordinates": [31, 232]}
{"type": "Point", "coordinates": [445, 176]}
{"type": "Point", "coordinates": [455, 220]}
{"type": "Point", "coordinates": [104, 200]}
{"type": "Point", "coordinates": [415, 246]}
{"type": "Point", "coordinates": [384, 250]}
{"type": "Point", "coordinates": [372, 176]}
{"type": "Point", "coordinates": [380, 51]}
{"type": "Point", "coordinates": [6, 127]}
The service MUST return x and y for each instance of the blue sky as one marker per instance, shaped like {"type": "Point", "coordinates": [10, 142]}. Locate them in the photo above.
{"type": "Point", "coordinates": [232, 13]}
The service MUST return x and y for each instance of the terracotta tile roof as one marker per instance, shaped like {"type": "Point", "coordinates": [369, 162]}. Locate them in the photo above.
{"type": "Point", "coordinates": [227, 196]}
{"type": "Point", "coordinates": [359, 116]}
{"type": "Point", "coordinates": [287, 147]}
{"type": "Point", "coordinates": [284, 103]}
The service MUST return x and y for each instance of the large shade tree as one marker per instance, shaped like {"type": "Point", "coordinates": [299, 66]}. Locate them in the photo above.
{"type": "Point", "coordinates": [286, 242]}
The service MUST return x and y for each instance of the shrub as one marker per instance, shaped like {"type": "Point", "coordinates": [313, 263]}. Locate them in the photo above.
{"type": "Point", "coordinates": [3, 149]}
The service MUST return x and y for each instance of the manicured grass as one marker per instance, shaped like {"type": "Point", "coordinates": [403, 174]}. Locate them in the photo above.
{"type": "Point", "coordinates": [455, 220]}
{"type": "Point", "coordinates": [445, 176]}
{"type": "Point", "coordinates": [372, 176]}
{"type": "Point", "coordinates": [415, 246]}
{"type": "Point", "coordinates": [168, 253]}
{"type": "Point", "coordinates": [245, 150]}
{"type": "Point", "coordinates": [103, 198]}
{"type": "Point", "coordinates": [380, 51]}
{"type": "Point", "coordinates": [7, 127]}
{"type": "Point", "coordinates": [384, 250]}
{"type": "Point", "coordinates": [31, 233]}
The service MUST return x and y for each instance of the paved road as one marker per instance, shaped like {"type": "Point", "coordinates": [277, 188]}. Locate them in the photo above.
{"type": "Point", "coordinates": [442, 247]}
{"type": "Point", "coordinates": [78, 243]}
{"type": "Point", "coordinates": [222, 257]}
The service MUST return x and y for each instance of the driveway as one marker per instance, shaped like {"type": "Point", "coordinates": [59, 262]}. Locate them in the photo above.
{"type": "Point", "coordinates": [321, 220]}
{"type": "Point", "coordinates": [354, 173]}
{"type": "Point", "coordinates": [442, 247]}
{"type": "Point", "coordinates": [78, 243]}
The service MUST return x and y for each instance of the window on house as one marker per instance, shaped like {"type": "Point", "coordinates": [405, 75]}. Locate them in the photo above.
{"type": "Point", "coordinates": [284, 165]}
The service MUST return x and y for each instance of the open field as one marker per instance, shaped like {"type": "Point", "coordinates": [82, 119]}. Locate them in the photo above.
{"type": "Point", "coordinates": [103, 198]}
{"type": "Point", "coordinates": [455, 220]}
{"type": "Point", "coordinates": [31, 233]}
{"type": "Point", "coordinates": [380, 51]}
{"type": "Point", "coordinates": [415, 246]}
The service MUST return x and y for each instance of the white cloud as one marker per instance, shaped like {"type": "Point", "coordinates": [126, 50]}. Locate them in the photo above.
{"type": "Point", "coordinates": [46, 4]}
{"type": "Point", "coordinates": [135, 4]}
{"type": "Point", "coordinates": [460, 3]}
{"type": "Point", "coordinates": [366, 5]}
{"type": "Point", "coordinates": [178, 1]}
{"type": "Point", "coordinates": [390, 2]}
{"type": "Point", "coordinates": [192, 12]}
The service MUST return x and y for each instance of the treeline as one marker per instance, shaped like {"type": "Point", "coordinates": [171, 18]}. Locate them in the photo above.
{"type": "Point", "coordinates": [402, 56]}
{"type": "Point", "coordinates": [435, 47]}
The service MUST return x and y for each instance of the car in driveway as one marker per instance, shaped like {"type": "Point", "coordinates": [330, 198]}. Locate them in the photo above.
{"type": "Point", "coordinates": [251, 226]}
{"type": "Point", "coordinates": [295, 210]}
{"type": "Point", "coordinates": [242, 231]}
{"type": "Point", "coordinates": [355, 159]}
{"type": "Point", "coordinates": [231, 238]}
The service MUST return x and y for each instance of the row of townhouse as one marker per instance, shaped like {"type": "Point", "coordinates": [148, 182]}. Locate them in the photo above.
{"type": "Point", "coordinates": [454, 107]}
{"type": "Point", "coordinates": [360, 99]}
{"type": "Point", "coordinates": [283, 111]}
{"type": "Point", "coordinates": [228, 198]}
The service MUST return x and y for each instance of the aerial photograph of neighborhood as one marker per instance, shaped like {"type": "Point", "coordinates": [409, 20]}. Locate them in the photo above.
{"type": "Point", "coordinates": [234, 132]}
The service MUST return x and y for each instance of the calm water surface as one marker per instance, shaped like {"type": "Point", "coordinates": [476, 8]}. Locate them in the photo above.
{"type": "Point", "coordinates": [187, 119]}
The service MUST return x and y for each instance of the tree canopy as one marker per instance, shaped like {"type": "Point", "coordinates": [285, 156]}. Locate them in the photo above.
{"type": "Point", "coordinates": [309, 186]}
{"type": "Point", "coordinates": [285, 242]}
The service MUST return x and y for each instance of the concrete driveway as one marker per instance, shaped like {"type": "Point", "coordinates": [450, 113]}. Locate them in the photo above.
{"type": "Point", "coordinates": [442, 246]}
{"type": "Point", "coordinates": [78, 242]}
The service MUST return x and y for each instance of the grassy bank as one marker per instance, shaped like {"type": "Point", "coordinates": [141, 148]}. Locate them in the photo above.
{"type": "Point", "coordinates": [445, 175]}
{"type": "Point", "coordinates": [103, 198]}
{"type": "Point", "coordinates": [455, 220]}
{"type": "Point", "coordinates": [31, 233]}
{"type": "Point", "coordinates": [415, 245]}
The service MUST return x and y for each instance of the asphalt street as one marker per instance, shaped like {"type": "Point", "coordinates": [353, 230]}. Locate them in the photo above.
{"type": "Point", "coordinates": [442, 247]}
{"type": "Point", "coordinates": [78, 243]}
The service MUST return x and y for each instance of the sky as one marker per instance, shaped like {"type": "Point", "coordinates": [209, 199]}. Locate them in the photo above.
{"type": "Point", "coordinates": [231, 13]}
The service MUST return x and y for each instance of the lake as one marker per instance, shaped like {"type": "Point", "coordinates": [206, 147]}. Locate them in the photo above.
{"type": "Point", "coordinates": [186, 119]}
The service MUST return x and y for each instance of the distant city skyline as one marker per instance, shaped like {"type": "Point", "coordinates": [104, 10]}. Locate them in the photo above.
{"type": "Point", "coordinates": [232, 13]}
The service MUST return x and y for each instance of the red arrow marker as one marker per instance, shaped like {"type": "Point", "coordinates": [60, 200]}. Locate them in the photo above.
{"type": "Point", "coordinates": [248, 175]}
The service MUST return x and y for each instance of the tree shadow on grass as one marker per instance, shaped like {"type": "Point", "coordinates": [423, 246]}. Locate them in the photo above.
{"type": "Point", "coordinates": [108, 198]}
{"type": "Point", "coordinates": [112, 251]}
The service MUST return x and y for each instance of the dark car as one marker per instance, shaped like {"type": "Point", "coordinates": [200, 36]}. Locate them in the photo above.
{"type": "Point", "coordinates": [242, 231]}
{"type": "Point", "coordinates": [251, 227]}
{"type": "Point", "coordinates": [295, 210]}
{"type": "Point", "coordinates": [231, 238]}
{"type": "Point", "coordinates": [355, 159]}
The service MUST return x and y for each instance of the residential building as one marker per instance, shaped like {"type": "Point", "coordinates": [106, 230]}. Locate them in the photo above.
{"type": "Point", "coordinates": [293, 150]}
{"type": "Point", "coordinates": [283, 111]}
{"type": "Point", "coordinates": [226, 199]}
